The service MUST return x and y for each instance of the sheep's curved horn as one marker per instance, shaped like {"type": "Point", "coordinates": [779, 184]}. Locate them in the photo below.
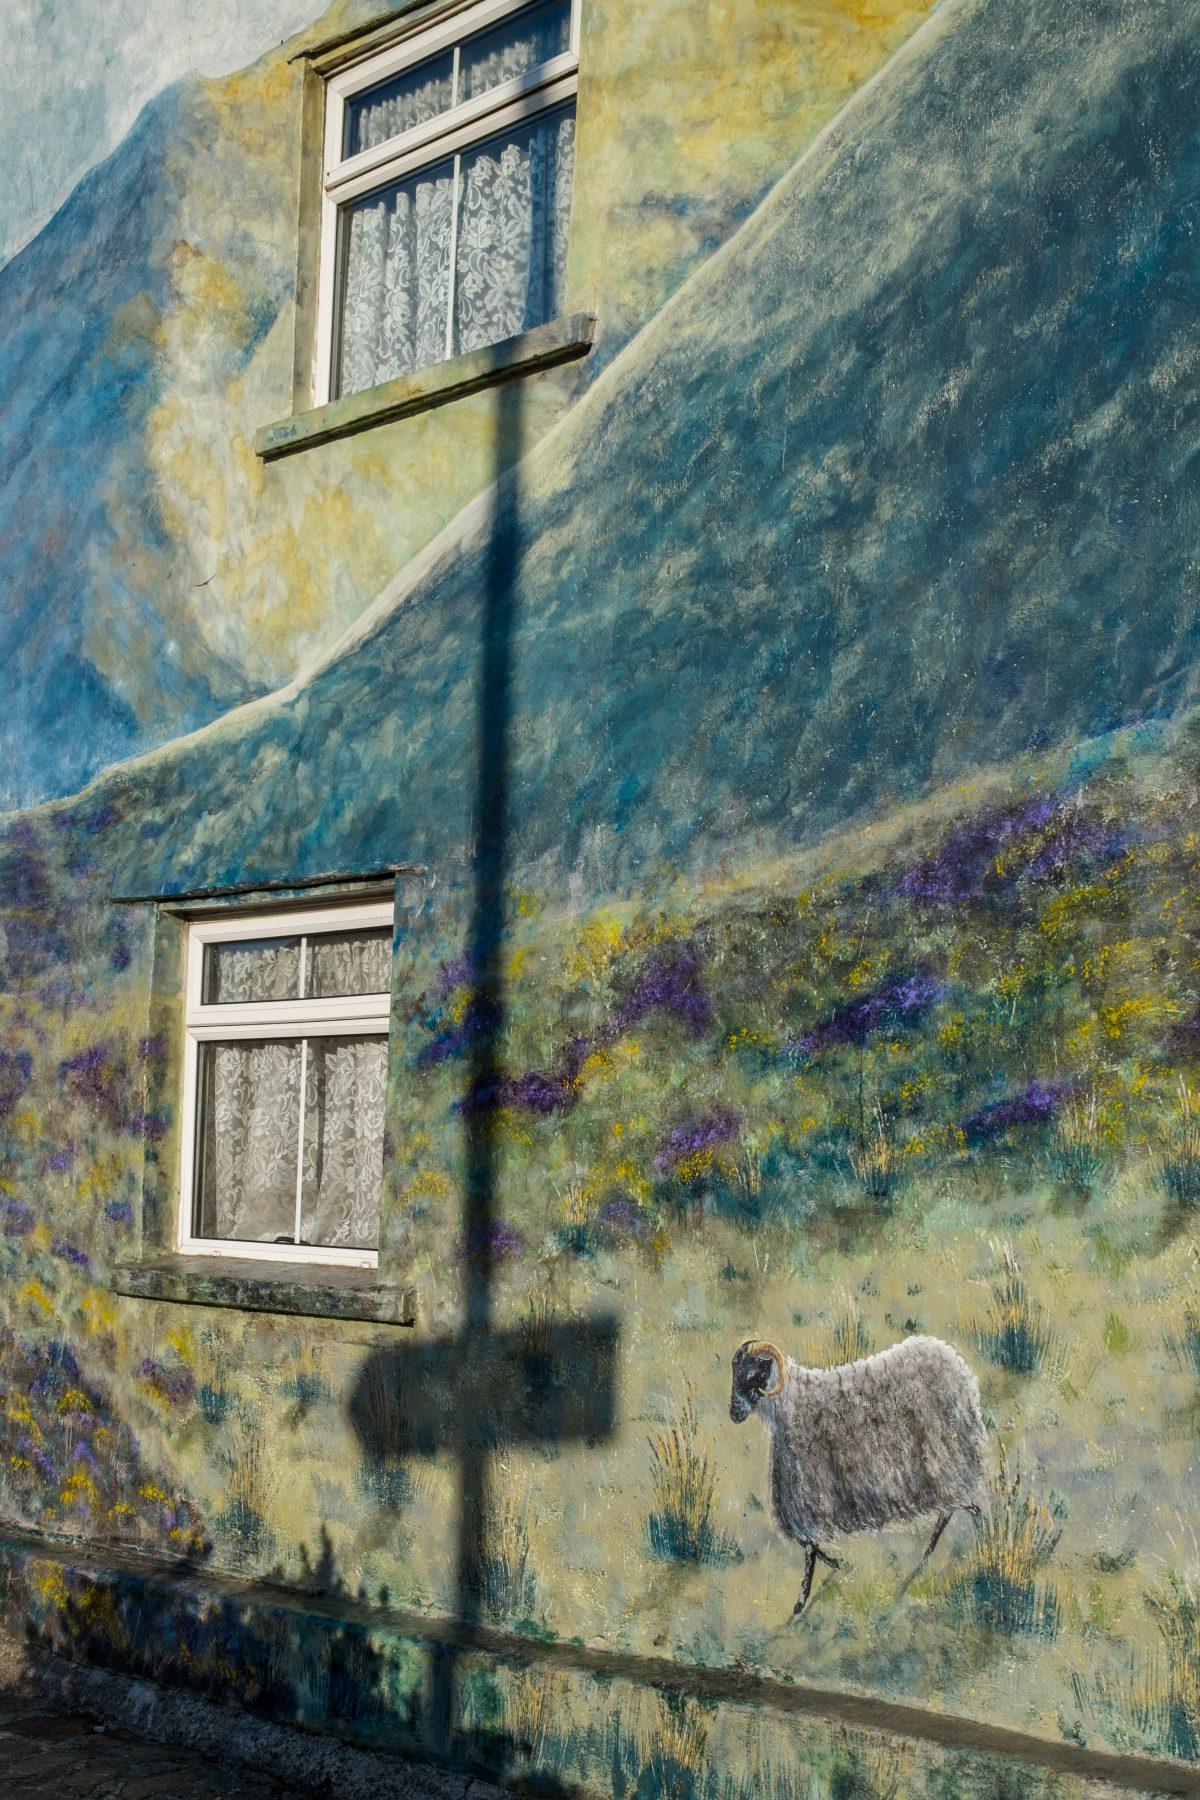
{"type": "Point", "coordinates": [761, 1347]}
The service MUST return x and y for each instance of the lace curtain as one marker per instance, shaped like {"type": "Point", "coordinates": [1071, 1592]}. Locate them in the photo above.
{"type": "Point", "coordinates": [349, 962]}
{"type": "Point", "coordinates": [514, 206]}
{"type": "Point", "coordinates": [336, 963]}
{"type": "Point", "coordinates": [249, 1141]}
{"type": "Point", "coordinates": [262, 969]}
{"type": "Point", "coordinates": [343, 1142]}
{"type": "Point", "coordinates": [390, 107]}
{"type": "Point", "coordinates": [513, 211]}
{"type": "Point", "coordinates": [250, 1107]}
{"type": "Point", "coordinates": [397, 277]}
{"type": "Point", "coordinates": [416, 95]}
{"type": "Point", "coordinates": [514, 47]}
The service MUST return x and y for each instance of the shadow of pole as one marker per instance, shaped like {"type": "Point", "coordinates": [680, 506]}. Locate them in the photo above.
{"type": "Point", "coordinates": [487, 936]}
{"type": "Point", "coordinates": [474, 1391]}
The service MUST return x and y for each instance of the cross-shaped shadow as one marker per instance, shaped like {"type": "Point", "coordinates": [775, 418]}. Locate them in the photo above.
{"type": "Point", "coordinates": [484, 1389]}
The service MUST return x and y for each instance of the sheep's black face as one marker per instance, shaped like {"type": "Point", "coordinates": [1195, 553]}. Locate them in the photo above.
{"type": "Point", "coordinates": [756, 1372]}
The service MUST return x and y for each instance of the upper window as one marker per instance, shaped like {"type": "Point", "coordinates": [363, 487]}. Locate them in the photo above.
{"type": "Point", "coordinates": [285, 1072]}
{"type": "Point", "coordinates": [447, 191]}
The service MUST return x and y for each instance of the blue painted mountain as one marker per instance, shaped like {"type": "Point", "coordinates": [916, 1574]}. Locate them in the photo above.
{"type": "Point", "coordinates": [900, 483]}
{"type": "Point", "coordinates": [80, 371]}
{"type": "Point", "coordinates": [155, 573]}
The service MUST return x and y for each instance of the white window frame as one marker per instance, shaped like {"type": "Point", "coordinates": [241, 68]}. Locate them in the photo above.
{"type": "Point", "coordinates": [443, 139]}
{"type": "Point", "coordinates": [357, 1015]}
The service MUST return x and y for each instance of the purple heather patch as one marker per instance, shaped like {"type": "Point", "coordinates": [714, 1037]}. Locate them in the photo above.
{"type": "Point", "coordinates": [95, 1076]}
{"type": "Point", "coordinates": [17, 1220]}
{"type": "Point", "coordinates": [1040, 839]}
{"type": "Point", "coordinates": [1032, 1106]}
{"type": "Point", "coordinates": [480, 1017]}
{"type": "Point", "coordinates": [897, 1002]}
{"type": "Point", "coordinates": [620, 1218]}
{"type": "Point", "coordinates": [491, 1243]}
{"type": "Point", "coordinates": [150, 1049]}
{"type": "Point", "coordinates": [70, 1253]}
{"type": "Point", "coordinates": [175, 1387]}
{"type": "Point", "coordinates": [539, 1093]}
{"type": "Point", "coordinates": [16, 1067]}
{"type": "Point", "coordinates": [61, 1160]}
{"type": "Point", "coordinates": [669, 982]}
{"type": "Point", "coordinates": [119, 1212]}
{"type": "Point", "coordinates": [695, 1136]}
{"type": "Point", "coordinates": [458, 972]}
{"type": "Point", "coordinates": [149, 1125]}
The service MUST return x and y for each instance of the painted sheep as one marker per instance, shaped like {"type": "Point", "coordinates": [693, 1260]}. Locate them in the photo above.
{"type": "Point", "coordinates": [869, 1444]}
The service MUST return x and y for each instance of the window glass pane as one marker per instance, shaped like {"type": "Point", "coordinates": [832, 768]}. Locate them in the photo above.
{"type": "Point", "coordinates": [390, 107]}
{"type": "Point", "coordinates": [259, 969]}
{"type": "Point", "coordinates": [514, 47]}
{"type": "Point", "coordinates": [247, 1141]}
{"type": "Point", "coordinates": [349, 962]}
{"type": "Point", "coordinates": [343, 1142]}
{"type": "Point", "coordinates": [514, 211]}
{"type": "Point", "coordinates": [395, 279]}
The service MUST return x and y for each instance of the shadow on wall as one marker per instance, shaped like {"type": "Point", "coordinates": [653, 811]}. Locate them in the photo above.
{"type": "Point", "coordinates": [486, 1389]}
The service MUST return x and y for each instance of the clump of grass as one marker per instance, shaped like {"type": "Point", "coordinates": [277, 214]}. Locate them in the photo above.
{"type": "Point", "coordinates": [252, 1484]}
{"type": "Point", "coordinates": [1075, 1156]}
{"type": "Point", "coordinates": [502, 1583]}
{"type": "Point", "coordinates": [1157, 1705]}
{"type": "Point", "coordinates": [682, 1524]}
{"type": "Point", "coordinates": [1170, 1693]}
{"type": "Point", "coordinates": [1183, 1346]}
{"type": "Point", "coordinates": [675, 1751]}
{"type": "Point", "coordinates": [1179, 1159]}
{"type": "Point", "coordinates": [848, 1338]}
{"type": "Point", "coordinates": [1002, 1587]}
{"type": "Point", "coordinates": [875, 1159]}
{"type": "Point", "coordinates": [1014, 1333]}
{"type": "Point", "coordinates": [534, 1708]}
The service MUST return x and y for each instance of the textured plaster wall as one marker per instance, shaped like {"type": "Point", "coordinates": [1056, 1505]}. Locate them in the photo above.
{"type": "Point", "coordinates": [848, 946]}
{"type": "Point", "coordinates": [155, 566]}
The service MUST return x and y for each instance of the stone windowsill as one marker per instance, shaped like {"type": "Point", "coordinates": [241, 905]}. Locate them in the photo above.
{"type": "Point", "coordinates": [249, 1285]}
{"type": "Point", "coordinates": [541, 348]}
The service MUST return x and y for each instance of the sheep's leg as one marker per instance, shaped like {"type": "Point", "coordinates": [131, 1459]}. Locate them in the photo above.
{"type": "Point", "coordinates": [811, 1553]}
{"type": "Point", "coordinates": [810, 1563]}
{"type": "Point", "coordinates": [938, 1529]}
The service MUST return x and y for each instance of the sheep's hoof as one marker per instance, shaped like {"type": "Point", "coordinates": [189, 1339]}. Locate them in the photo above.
{"type": "Point", "coordinates": [800, 1605]}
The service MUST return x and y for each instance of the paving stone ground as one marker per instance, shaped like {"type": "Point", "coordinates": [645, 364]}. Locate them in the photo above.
{"type": "Point", "coordinates": [54, 1755]}
{"type": "Point", "coordinates": [66, 1731]}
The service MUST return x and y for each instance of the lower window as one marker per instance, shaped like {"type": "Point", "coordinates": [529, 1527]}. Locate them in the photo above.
{"type": "Point", "coordinates": [285, 1085]}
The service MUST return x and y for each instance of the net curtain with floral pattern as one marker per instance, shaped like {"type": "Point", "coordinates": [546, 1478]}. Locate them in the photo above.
{"type": "Point", "coordinates": [251, 1150]}
{"type": "Point", "coordinates": [513, 213]}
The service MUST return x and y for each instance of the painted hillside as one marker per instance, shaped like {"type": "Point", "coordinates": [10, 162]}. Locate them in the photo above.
{"type": "Point", "coordinates": [884, 444]}
{"type": "Point", "coordinates": [147, 332]}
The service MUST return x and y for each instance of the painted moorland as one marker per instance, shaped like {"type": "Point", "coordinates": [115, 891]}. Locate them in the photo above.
{"type": "Point", "coordinates": [941, 1077]}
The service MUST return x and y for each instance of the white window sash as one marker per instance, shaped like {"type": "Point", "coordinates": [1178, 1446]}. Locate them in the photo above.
{"type": "Point", "coordinates": [441, 139]}
{"type": "Point", "coordinates": [351, 1015]}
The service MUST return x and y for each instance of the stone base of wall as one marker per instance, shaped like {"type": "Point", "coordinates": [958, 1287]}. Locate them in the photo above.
{"type": "Point", "coordinates": [196, 1654]}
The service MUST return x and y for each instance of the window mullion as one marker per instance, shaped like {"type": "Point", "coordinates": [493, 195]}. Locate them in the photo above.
{"type": "Point", "coordinates": [453, 271]}
{"type": "Point", "coordinates": [300, 1137]}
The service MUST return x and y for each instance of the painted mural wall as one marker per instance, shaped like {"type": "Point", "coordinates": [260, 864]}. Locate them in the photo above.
{"type": "Point", "coordinates": [823, 975]}
{"type": "Point", "coordinates": [147, 333]}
